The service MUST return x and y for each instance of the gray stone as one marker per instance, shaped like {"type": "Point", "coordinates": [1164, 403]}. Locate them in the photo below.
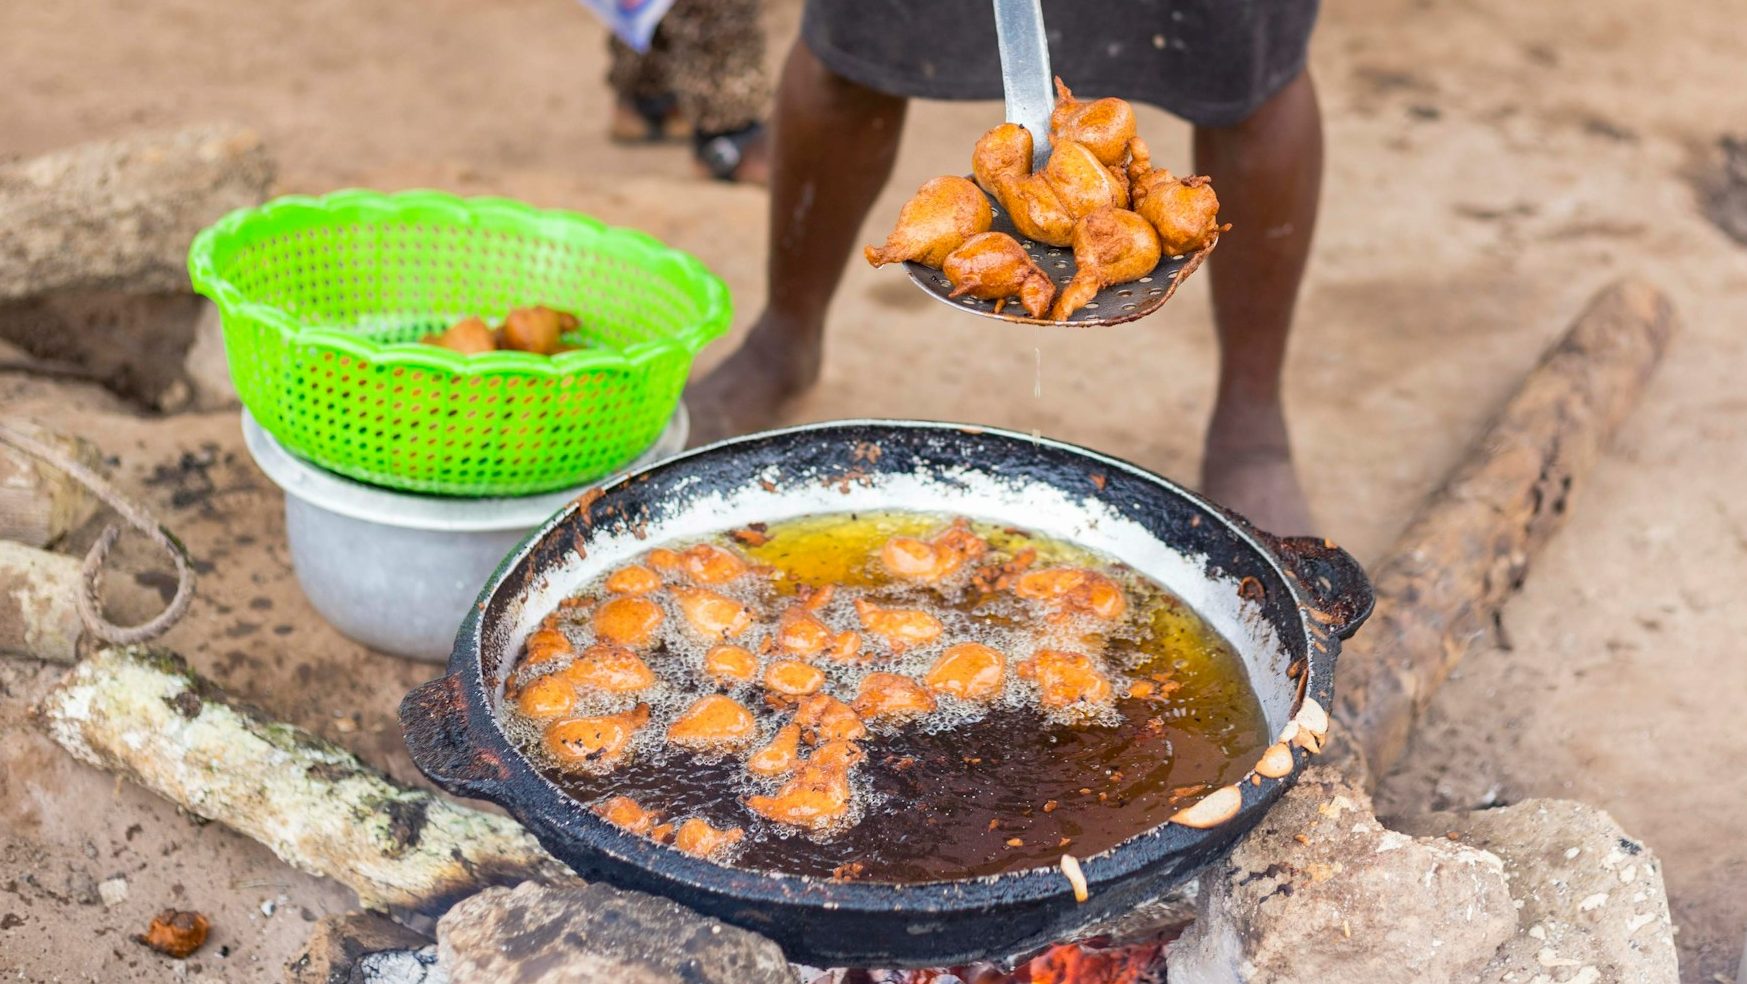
{"type": "Point", "coordinates": [207, 369]}
{"type": "Point", "coordinates": [362, 948]}
{"type": "Point", "coordinates": [118, 215]}
{"type": "Point", "coordinates": [1320, 892]}
{"type": "Point", "coordinates": [1592, 907]}
{"type": "Point", "coordinates": [134, 344]}
{"type": "Point", "coordinates": [536, 934]}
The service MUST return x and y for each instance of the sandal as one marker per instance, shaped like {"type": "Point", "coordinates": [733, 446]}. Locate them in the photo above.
{"type": "Point", "coordinates": [647, 119]}
{"type": "Point", "coordinates": [722, 154]}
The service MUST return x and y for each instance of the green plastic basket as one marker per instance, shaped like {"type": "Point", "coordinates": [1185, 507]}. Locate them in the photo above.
{"type": "Point", "coordinates": [324, 300]}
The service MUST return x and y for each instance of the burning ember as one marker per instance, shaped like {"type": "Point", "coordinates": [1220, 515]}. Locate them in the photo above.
{"type": "Point", "coordinates": [1063, 963]}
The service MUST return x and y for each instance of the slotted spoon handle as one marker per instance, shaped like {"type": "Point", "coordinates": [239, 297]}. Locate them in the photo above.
{"type": "Point", "coordinates": [1025, 74]}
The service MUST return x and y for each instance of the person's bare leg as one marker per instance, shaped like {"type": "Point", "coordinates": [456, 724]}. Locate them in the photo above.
{"type": "Point", "coordinates": [1268, 172]}
{"type": "Point", "coordinates": [833, 144]}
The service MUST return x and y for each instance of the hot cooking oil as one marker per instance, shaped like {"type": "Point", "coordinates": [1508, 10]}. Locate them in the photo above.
{"type": "Point", "coordinates": [972, 788]}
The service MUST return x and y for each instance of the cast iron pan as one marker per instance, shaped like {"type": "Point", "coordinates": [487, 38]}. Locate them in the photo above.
{"type": "Point", "coordinates": [1297, 596]}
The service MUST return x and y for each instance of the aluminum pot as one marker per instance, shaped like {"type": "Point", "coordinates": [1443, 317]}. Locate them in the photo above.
{"type": "Point", "coordinates": [394, 570]}
{"type": "Point", "coordinates": [1283, 603]}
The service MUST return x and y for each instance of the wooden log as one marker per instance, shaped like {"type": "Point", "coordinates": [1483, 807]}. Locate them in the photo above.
{"type": "Point", "coordinates": [141, 712]}
{"type": "Point", "coordinates": [39, 504]}
{"type": "Point", "coordinates": [39, 618]}
{"type": "Point", "coordinates": [1471, 544]}
{"type": "Point", "coordinates": [39, 609]}
{"type": "Point", "coordinates": [118, 215]}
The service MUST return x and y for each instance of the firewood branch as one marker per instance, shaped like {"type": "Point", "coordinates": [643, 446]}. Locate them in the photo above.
{"type": "Point", "coordinates": [1469, 548]}
{"type": "Point", "coordinates": [142, 713]}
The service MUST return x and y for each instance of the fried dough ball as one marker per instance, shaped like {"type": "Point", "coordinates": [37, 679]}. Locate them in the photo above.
{"type": "Point", "coordinates": [596, 744]}
{"type": "Point", "coordinates": [1104, 126]}
{"type": "Point", "coordinates": [609, 668]}
{"type": "Point", "coordinates": [943, 214]}
{"type": "Point", "coordinates": [959, 538]}
{"type": "Point", "coordinates": [838, 755]}
{"type": "Point", "coordinates": [1050, 583]}
{"type": "Point", "coordinates": [546, 643]}
{"type": "Point", "coordinates": [730, 664]}
{"type": "Point", "coordinates": [889, 696]}
{"type": "Point", "coordinates": [900, 627]}
{"type": "Point", "coordinates": [547, 696]}
{"type": "Point", "coordinates": [625, 812]}
{"type": "Point", "coordinates": [779, 755]}
{"type": "Point", "coordinates": [800, 633]}
{"type": "Point", "coordinates": [1034, 208]}
{"type": "Point", "coordinates": [634, 579]}
{"type": "Point", "coordinates": [1065, 679]}
{"type": "Point", "coordinates": [823, 718]}
{"type": "Point", "coordinates": [534, 329]}
{"type": "Point", "coordinates": [707, 563]}
{"type": "Point", "coordinates": [819, 794]}
{"type": "Point", "coordinates": [1111, 246]}
{"type": "Point", "coordinates": [1073, 184]}
{"type": "Point", "coordinates": [1101, 597]}
{"type": "Point", "coordinates": [699, 839]}
{"type": "Point", "coordinates": [469, 336]}
{"type": "Point", "coordinates": [1184, 211]}
{"type": "Point", "coordinates": [968, 671]}
{"type": "Point", "coordinates": [1081, 182]}
{"type": "Point", "coordinates": [934, 559]}
{"type": "Point", "coordinates": [713, 722]}
{"type": "Point", "coordinates": [1075, 589]}
{"type": "Point", "coordinates": [712, 615]}
{"type": "Point", "coordinates": [792, 678]}
{"type": "Point", "coordinates": [629, 620]}
{"type": "Point", "coordinates": [907, 556]}
{"type": "Point", "coordinates": [845, 646]}
{"type": "Point", "coordinates": [1004, 150]}
{"type": "Point", "coordinates": [992, 266]}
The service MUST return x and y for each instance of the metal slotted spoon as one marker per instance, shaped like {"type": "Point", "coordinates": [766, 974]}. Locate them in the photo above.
{"type": "Point", "coordinates": [1030, 92]}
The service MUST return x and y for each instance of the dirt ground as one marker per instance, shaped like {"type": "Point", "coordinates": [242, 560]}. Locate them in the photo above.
{"type": "Point", "coordinates": [1491, 165]}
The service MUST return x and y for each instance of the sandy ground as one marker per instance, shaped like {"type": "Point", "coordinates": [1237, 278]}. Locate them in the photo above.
{"type": "Point", "coordinates": [1491, 164]}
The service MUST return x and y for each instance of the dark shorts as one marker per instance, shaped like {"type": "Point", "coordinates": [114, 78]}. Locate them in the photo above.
{"type": "Point", "coordinates": [1211, 62]}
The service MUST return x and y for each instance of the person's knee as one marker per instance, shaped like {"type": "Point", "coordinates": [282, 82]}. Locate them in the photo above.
{"type": "Point", "coordinates": [1295, 100]}
{"type": "Point", "coordinates": [807, 73]}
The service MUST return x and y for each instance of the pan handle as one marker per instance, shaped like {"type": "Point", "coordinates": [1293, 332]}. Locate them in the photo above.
{"type": "Point", "coordinates": [1339, 592]}
{"type": "Point", "coordinates": [433, 721]}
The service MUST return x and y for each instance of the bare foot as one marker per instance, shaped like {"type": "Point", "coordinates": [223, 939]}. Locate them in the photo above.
{"type": "Point", "coordinates": [1247, 468]}
{"type": "Point", "coordinates": [749, 390]}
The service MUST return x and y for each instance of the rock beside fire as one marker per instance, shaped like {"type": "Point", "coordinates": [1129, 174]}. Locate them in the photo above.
{"type": "Point", "coordinates": [1320, 891]}
{"type": "Point", "coordinates": [360, 948]}
{"type": "Point", "coordinates": [1593, 908]}
{"type": "Point", "coordinates": [536, 934]}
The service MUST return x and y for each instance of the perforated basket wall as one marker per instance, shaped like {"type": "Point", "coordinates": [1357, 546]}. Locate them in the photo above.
{"type": "Point", "coordinates": [324, 300]}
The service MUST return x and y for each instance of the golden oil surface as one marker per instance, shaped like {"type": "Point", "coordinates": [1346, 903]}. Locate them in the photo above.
{"type": "Point", "coordinates": [971, 789]}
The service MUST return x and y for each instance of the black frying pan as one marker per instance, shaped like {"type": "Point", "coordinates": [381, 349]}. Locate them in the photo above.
{"type": "Point", "coordinates": [1283, 603]}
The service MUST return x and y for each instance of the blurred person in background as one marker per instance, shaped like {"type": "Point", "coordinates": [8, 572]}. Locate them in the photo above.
{"type": "Point", "coordinates": [703, 77]}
